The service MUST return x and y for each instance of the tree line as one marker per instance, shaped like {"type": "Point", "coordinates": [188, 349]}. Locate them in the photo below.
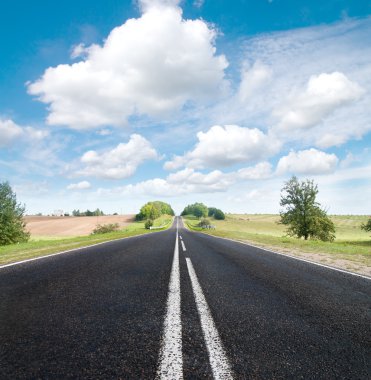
{"type": "Point", "coordinates": [97, 212]}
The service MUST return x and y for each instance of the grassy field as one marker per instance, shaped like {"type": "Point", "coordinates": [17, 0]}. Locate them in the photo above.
{"type": "Point", "coordinates": [44, 245]}
{"type": "Point", "coordinates": [351, 249]}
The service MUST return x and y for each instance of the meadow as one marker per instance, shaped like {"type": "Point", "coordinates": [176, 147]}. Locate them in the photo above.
{"type": "Point", "coordinates": [48, 244]}
{"type": "Point", "coordinates": [351, 250]}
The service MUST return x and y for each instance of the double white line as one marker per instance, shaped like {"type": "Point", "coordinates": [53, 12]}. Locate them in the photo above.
{"type": "Point", "coordinates": [171, 357]}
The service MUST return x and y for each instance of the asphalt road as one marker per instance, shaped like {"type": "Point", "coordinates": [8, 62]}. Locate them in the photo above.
{"type": "Point", "coordinates": [182, 305]}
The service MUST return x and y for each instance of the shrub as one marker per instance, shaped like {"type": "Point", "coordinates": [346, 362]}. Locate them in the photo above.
{"type": "Point", "coordinates": [148, 224]}
{"type": "Point", "coordinates": [105, 228]}
{"type": "Point", "coordinates": [204, 223]}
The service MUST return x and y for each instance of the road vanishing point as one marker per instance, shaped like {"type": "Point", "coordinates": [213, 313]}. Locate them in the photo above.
{"type": "Point", "coordinates": [178, 304]}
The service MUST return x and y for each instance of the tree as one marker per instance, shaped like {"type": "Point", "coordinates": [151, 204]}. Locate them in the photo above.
{"type": "Point", "coordinates": [366, 226]}
{"type": "Point", "coordinates": [148, 224]}
{"type": "Point", "coordinates": [197, 209]}
{"type": "Point", "coordinates": [211, 211]}
{"type": "Point", "coordinates": [303, 214]}
{"type": "Point", "coordinates": [12, 225]}
{"type": "Point", "coordinates": [153, 210]}
{"type": "Point", "coordinates": [219, 214]}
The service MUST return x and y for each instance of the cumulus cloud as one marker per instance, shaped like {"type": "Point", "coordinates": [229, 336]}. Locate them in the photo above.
{"type": "Point", "coordinates": [186, 181]}
{"type": "Point", "coordinates": [224, 146]}
{"type": "Point", "coordinates": [252, 79]}
{"type": "Point", "coordinates": [151, 65]}
{"type": "Point", "coordinates": [11, 132]}
{"type": "Point", "coordinates": [83, 185]}
{"type": "Point", "coordinates": [210, 182]}
{"type": "Point", "coordinates": [311, 161]}
{"type": "Point", "coordinates": [261, 170]}
{"type": "Point", "coordinates": [190, 181]}
{"type": "Point", "coordinates": [120, 162]}
{"type": "Point", "coordinates": [323, 95]}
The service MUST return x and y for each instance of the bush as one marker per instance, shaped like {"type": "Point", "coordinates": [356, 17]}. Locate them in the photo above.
{"type": "Point", "coordinates": [148, 224]}
{"type": "Point", "coordinates": [105, 228]}
{"type": "Point", "coordinates": [204, 223]}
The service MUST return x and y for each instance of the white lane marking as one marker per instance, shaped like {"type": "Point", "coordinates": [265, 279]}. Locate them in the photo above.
{"type": "Point", "coordinates": [171, 358]}
{"type": "Point", "coordinates": [294, 257]}
{"type": "Point", "coordinates": [180, 237]}
{"type": "Point", "coordinates": [217, 356]}
{"type": "Point", "coordinates": [183, 246]}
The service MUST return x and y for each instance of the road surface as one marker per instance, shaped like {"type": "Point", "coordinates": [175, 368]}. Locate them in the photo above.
{"type": "Point", "coordinates": [178, 304]}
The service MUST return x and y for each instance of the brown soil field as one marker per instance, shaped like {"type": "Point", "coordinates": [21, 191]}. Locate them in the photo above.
{"type": "Point", "coordinates": [71, 226]}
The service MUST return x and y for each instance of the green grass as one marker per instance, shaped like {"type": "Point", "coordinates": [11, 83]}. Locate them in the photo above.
{"type": "Point", "coordinates": [163, 220]}
{"type": "Point", "coordinates": [351, 242]}
{"type": "Point", "coordinates": [41, 246]}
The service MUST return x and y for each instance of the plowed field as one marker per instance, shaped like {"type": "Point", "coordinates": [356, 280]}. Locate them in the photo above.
{"type": "Point", "coordinates": [71, 226]}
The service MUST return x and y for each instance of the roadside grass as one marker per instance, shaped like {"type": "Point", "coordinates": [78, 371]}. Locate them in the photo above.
{"type": "Point", "coordinates": [163, 221]}
{"type": "Point", "coordinates": [351, 244]}
{"type": "Point", "coordinates": [45, 245]}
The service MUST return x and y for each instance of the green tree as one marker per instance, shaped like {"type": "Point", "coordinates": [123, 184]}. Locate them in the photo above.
{"type": "Point", "coordinates": [12, 225]}
{"type": "Point", "coordinates": [153, 210]}
{"type": "Point", "coordinates": [303, 215]}
{"type": "Point", "coordinates": [366, 226]}
{"type": "Point", "coordinates": [219, 214]}
{"type": "Point", "coordinates": [197, 209]}
{"type": "Point", "coordinates": [211, 211]}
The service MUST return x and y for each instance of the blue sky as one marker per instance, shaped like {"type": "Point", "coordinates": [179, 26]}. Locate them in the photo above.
{"type": "Point", "coordinates": [114, 105]}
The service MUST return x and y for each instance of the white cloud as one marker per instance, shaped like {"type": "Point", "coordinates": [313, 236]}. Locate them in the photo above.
{"type": "Point", "coordinates": [323, 95]}
{"type": "Point", "coordinates": [104, 132]}
{"type": "Point", "coordinates": [120, 162]}
{"type": "Point", "coordinates": [184, 182]}
{"type": "Point", "coordinates": [79, 51]}
{"type": "Point", "coordinates": [210, 182]}
{"type": "Point", "coordinates": [224, 146]}
{"type": "Point", "coordinates": [10, 132]}
{"type": "Point", "coordinates": [151, 65]}
{"type": "Point", "coordinates": [83, 185]}
{"type": "Point", "coordinates": [190, 181]}
{"type": "Point", "coordinates": [146, 5]}
{"type": "Point", "coordinates": [252, 79]}
{"type": "Point", "coordinates": [261, 170]}
{"type": "Point", "coordinates": [311, 161]}
{"type": "Point", "coordinates": [340, 52]}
